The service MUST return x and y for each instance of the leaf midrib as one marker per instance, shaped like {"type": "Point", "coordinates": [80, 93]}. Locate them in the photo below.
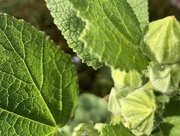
{"type": "Point", "coordinates": [26, 118]}
{"type": "Point", "coordinates": [52, 118]}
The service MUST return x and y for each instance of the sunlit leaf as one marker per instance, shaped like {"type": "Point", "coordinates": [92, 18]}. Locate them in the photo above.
{"type": "Point", "coordinates": [38, 85]}
{"type": "Point", "coordinates": [140, 8]}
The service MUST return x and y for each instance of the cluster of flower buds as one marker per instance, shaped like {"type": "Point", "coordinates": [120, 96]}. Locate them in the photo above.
{"type": "Point", "coordinates": [135, 100]}
{"type": "Point", "coordinates": [161, 44]}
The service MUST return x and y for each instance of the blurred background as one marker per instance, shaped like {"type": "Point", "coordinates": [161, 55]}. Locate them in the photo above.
{"type": "Point", "coordinates": [97, 83]}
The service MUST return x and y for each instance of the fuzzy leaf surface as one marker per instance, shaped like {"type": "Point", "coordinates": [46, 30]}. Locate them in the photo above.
{"type": "Point", "coordinates": [140, 8]}
{"type": "Point", "coordinates": [38, 89]}
{"type": "Point", "coordinates": [112, 32]}
{"type": "Point", "coordinates": [71, 27]}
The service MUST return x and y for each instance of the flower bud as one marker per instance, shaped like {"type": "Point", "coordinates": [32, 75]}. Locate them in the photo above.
{"type": "Point", "coordinates": [161, 41]}
{"type": "Point", "coordinates": [141, 112]}
{"type": "Point", "coordinates": [165, 78]}
{"type": "Point", "coordinates": [130, 80]}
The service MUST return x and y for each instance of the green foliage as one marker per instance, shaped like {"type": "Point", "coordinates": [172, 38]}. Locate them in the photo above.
{"type": "Point", "coordinates": [38, 92]}
{"type": "Point", "coordinates": [71, 27]}
{"type": "Point", "coordinates": [99, 24]}
{"type": "Point", "coordinates": [38, 85]}
{"type": "Point", "coordinates": [112, 33]}
{"type": "Point", "coordinates": [140, 8]}
{"type": "Point", "coordinates": [171, 126]}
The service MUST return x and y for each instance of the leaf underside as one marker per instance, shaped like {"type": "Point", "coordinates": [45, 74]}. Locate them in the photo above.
{"type": "Point", "coordinates": [71, 27]}
{"type": "Point", "coordinates": [38, 89]}
{"type": "Point", "coordinates": [112, 32]}
{"type": "Point", "coordinates": [140, 8]}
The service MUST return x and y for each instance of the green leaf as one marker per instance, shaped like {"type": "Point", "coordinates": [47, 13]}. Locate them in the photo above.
{"type": "Point", "coordinates": [116, 130]}
{"type": "Point", "coordinates": [140, 8]}
{"type": "Point", "coordinates": [112, 32]}
{"type": "Point", "coordinates": [71, 27]}
{"type": "Point", "coordinates": [38, 85]}
{"type": "Point", "coordinates": [170, 125]}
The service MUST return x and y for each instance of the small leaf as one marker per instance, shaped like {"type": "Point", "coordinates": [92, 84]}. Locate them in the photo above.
{"type": "Point", "coordinates": [138, 110]}
{"type": "Point", "coordinates": [38, 85]}
{"type": "Point", "coordinates": [116, 130]}
{"type": "Point", "coordinates": [140, 8]}
{"type": "Point", "coordinates": [112, 33]}
{"type": "Point", "coordinates": [71, 27]}
{"type": "Point", "coordinates": [171, 125]}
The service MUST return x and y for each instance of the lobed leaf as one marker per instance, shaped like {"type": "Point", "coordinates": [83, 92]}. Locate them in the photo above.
{"type": "Point", "coordinates": [38, 85]}
{"type": "Point", "coordinates": [71, 27]}
{"type": "Point", "coordinates": [112, 32]}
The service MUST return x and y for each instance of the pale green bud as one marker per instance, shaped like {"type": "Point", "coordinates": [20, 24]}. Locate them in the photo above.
{"type": "Point", "coordinates": [161, 41]}
{"type": "Point", "coordinates": [165, 78]}
{"type": "Point", "coordinates": [130, 80]}
{"type": "Point", "coordinates": [114, 102]}
{"type": "Point", "coordinates": [141, 112]}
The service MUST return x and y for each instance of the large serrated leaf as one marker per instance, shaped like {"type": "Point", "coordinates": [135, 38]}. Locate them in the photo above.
{"type": "Point", "coordinates": [71, 27]}
{"type": "Point", "coordinates": [112, 32]}
{"type": "Point", "coordinates": [140, 8]}
{"type": "Point", "coordinates": [38, 84]}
